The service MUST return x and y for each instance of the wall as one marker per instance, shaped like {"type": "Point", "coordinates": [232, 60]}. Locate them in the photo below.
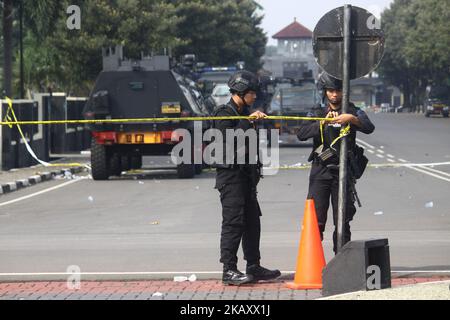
{"type": "Point", "coordinates": [47, 141]}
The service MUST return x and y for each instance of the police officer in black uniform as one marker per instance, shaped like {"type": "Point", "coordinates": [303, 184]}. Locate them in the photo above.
{"type": "Point", "coordinates": [237, 186]}
{"type": "Point", "coordinates": [324, 176]}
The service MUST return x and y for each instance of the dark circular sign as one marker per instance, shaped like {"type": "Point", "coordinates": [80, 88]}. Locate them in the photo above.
{"type": "Point", "coordinates": [367, 42]}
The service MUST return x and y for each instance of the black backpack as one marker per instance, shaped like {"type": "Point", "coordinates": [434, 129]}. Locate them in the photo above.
{"type": "Point", "coordinates": [357, 162]}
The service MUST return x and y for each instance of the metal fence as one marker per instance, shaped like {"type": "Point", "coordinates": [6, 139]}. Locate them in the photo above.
{"type": "Point", "coordinates": [46, 140]}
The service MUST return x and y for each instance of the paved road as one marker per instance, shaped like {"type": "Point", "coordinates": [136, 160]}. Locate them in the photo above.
{"type": "Point", "coordinates": [162, 226]}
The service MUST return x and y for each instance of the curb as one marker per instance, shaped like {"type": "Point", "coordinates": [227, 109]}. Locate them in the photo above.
{"type": "Point", "coordinates": [391, 290]}
{"type": "Point", "coordinates": [36, 179]}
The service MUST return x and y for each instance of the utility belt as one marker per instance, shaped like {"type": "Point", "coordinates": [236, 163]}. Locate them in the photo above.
{"type": "Point", "coordinates": [328, 157]}
{"type": "Point", "coordinates": [325, 156]}
{"type": "Point", "coordinates": [226, 166]}
{"type": "Point", "coordinates": [253, 173]}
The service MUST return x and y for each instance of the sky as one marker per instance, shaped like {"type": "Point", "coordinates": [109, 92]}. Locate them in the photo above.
{"type": "Point", "coordinates": [280, 13]}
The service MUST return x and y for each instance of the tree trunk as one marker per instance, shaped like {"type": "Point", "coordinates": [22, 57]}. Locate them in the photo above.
{"type": "Point", "coordinates": [7, 46]}
{"type": "Point", "coordinates": [417, 93]}
{"type": "Point", "coordinates": [421, 94]}
{"type": "Point", "coordinates": [406, 95]}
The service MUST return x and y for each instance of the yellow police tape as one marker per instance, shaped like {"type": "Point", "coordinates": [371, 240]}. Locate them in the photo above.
{"type": "Point", "coordinates": [302, 167]}
{"type": "Point", "coordinates": [144, 120]}
{"type": "Point", "coordinates": [15, 122]}
{"type": "Point", "coordinates": [11, 122]}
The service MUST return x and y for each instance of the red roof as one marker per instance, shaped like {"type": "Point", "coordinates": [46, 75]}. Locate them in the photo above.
{"type": "Point", "coordinates": [294, 30]}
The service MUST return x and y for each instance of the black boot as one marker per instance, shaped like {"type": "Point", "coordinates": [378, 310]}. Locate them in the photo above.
{"type": "Point", "coordinates": [236, 278]}
{"type": "Point", "coordinates": [261, 273]}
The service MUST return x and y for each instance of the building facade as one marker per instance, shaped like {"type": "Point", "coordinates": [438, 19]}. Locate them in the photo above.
{"type": "Point", "coordinates": [293, 57]}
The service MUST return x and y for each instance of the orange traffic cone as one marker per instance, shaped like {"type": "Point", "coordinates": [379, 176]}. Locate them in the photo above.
{"type": "Point", "coordinates": [311, 259]}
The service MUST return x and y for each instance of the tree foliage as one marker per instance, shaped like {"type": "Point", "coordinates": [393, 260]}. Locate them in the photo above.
{"type": "Point", "coordinates": [222, 32]}
{"type": "Point", "coordinates": [218, 32]}
{"type": "Point", "coordinates": [417, 46]}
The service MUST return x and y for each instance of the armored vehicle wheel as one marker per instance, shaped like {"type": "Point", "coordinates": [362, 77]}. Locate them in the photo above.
{"type": "Point", "coordinates": [125, 163]}
{"type": "Point", "coordinates": [198, 168]}
{"type": "Point", "coordinates": [114, 165]}
{"type": "Point", "coordinates": [186, 171]}
{"type": "Point", "coordinates": [99, 161]}
{"type": "Point", "coordinates": [136, 162]}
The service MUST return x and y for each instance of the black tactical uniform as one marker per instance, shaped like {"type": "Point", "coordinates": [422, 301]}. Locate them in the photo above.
{"type": "Point", "coordinates": [324, 176]}
{"type": "Point", "coordinates": [240, 209]}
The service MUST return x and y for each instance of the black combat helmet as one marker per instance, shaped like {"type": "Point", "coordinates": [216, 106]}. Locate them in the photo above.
{"type": "Point", "coordinates": [242, 82]}
{"type": "Point", "coordinates": [326, 81]}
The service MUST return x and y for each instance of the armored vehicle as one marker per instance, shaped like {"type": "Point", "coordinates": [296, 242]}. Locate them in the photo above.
{"type": "Point", "coordinates": [146, 88]}
{"type": "Point", "coordinates": [295, 100]}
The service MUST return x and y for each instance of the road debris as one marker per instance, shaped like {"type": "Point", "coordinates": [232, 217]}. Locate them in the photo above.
{"type": "Point", "coordinates": [429, 205]}
{"type": "Point", "coordinates": [191, 278]}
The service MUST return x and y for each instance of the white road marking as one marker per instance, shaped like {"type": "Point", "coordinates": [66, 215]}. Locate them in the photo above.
{"type": "Point", "coordinates": [392, 164]}
{"type": "Point", "coordinates": [429, 173]}
{"type": "Point", "coordinates": [371, 151]}
{"type": "Point", "coordinates": [436, 171]}
{"type": "Point", "coordinates": [365, 143]}
{"type": "Point", "coordinates": [39, 193]}
{"type": "Point", "coordinates": [435, 164]}
{"type": "Point", "coordinates": [425, 165]}
{"type": "Point", "coordinates": [390, 156]}
{"type": "Point", "coordinates": [419, 168]}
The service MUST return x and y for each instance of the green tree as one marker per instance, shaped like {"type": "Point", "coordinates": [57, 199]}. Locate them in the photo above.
{"type": "Point", "coordinates": [70, 60]}
{"type": "Point", "coordinates": [222, 32]}
{"type": "Point", "coordinates": [7, 27]}
{"type": "Point", "coordinates": [219, 32]}
{"type": "Point", "coordinates": [39, 17]}
{"type": "Point", "coordinates": [428, 42]}
{"type": "Point", "coordinates": [417, 41]}
{"type": "Point", "coordinates": [1, 50]}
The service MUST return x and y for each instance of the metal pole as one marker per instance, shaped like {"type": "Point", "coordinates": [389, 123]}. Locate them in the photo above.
{"type": "Point", "coordinates": [344, 143]}
{"type": "Point", "coordinates": [8, 9]}
{"type": "Point", "coordinates": [1, 133]}
{"type": "Point", "coordinates": [22, 94]}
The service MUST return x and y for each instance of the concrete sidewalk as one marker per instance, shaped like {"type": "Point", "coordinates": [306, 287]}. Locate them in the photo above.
{"type": "Point", "coordinates": [15, 179]}
{"type": "Point", "coordinates": [403, 288]}
{"type": "Point", "coordinates": [423, 291]}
